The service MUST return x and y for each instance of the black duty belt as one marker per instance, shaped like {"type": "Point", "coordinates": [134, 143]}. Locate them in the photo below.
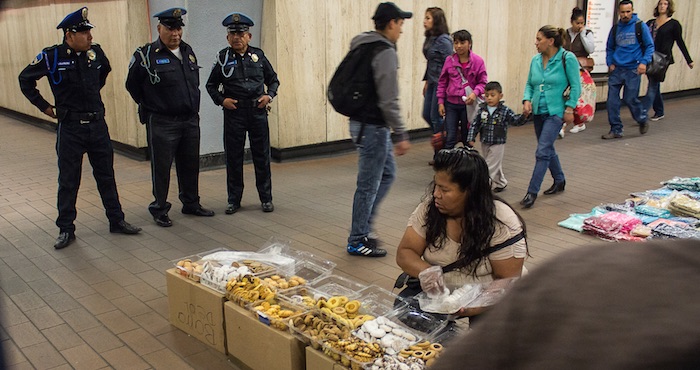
{"type": "Point", "coordinates": [85, 117]}
{"type": "Point", "coordinates": [169, 117]}
{"type": "Point", "coordinates": [247, 103]}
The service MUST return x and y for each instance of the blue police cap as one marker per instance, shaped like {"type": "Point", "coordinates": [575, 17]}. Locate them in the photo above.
{"type": "Point", "coordinates": [76, 21]}
{"type": "Point", "coordinates": [236, 22]}
{"type": "Point", "coordinates": [172, 18]}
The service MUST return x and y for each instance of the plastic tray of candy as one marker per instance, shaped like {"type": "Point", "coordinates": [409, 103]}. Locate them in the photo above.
{"type": "Point", "coordinates": [379, 301]}
{"type": "Point", "coordinates": [266, 285]}
{"type": "Point", "coordinates": [310, 296]}
{"type": "Point", "coordinates": [354, 352]}
{"type": "Point", "coordinates": [276, 313]}
{"type": "Point", "coordinates": [191, 266]}
{"type": "Point", "coordinates": [313, 327]}
{"type": "Point", "coordinates": [391, 334]}
{"type": "Point", "coordinates": [334, 285]}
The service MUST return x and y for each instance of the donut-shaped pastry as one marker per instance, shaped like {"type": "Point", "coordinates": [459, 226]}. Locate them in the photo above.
{"type": "Point", "coordinates": [352, 306]}
{"type": "Point", "coordinates": [418, 354]}
{"type": "Point", "coordinates": [437, 347]}
{"type": "Point", "coordinates": [428, 355]}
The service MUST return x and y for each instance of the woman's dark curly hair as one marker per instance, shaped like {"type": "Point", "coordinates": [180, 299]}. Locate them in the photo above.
{"type": "Point", "coordinates": [470, 172]}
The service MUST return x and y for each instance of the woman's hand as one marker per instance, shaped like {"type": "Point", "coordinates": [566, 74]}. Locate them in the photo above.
{"type": "Point", "coordinates": [527, 108]}
{"type": "Point", "coordinates": [425, 88]}
{"type": "Point", "coordinates": [568, 116]}
{"type": "Point", "coordinates": [691, 65]}
{"type": "Point", "coordinates": [441, 110]}
{"type": "Point", "coordinates": [470, 99]}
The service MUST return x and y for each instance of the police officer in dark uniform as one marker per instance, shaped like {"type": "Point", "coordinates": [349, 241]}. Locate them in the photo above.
{"type": "Point", "coordinates": [163, 79]}
{"type": "Point", "coordinates": [237, 82]}
{"type": "Point", "coordinates": [77, 69]}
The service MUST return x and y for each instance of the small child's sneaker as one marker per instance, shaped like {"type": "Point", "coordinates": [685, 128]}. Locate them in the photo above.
{"type": "Point", "coordinates": [578, 128]}
{"type": "Point", "coordinates": [366, 247]}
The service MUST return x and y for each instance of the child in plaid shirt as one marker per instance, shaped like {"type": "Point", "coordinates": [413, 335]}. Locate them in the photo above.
{"type": "Point", "coordinates": [491, 123]}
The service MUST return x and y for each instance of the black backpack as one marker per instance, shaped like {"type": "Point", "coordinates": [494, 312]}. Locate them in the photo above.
{"type": "Point", "coordinates": [352, 87]}
{"type": "Point", "coordinates": [637, 32]}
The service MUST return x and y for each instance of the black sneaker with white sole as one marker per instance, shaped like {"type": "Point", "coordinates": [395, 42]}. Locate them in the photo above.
{"type": "Point", "coordinates": [657, 117]}
{"type": "Point", "coordinates": [366, 247]}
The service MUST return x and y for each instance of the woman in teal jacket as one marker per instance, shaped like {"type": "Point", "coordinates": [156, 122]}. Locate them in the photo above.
{"type": "Point", "coordinates": [552, 70]}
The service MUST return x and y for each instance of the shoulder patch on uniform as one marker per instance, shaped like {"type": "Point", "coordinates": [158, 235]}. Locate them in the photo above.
{"type": "Point", "coordinates": [132, 61]}
{"type": "Point", "coordinates": [38, 59]}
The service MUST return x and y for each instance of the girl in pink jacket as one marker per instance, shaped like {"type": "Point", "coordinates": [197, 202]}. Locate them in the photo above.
{"type": "Point", "coordinates": [461, 84]}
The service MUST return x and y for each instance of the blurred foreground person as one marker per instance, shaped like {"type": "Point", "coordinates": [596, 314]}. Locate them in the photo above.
{"type": "Point", "coordinates": [622, 306]}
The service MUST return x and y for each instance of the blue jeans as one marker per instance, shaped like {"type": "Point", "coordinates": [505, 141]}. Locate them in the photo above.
{"type": "Point", "coordinates": [430, 108]}
{"type": "Point", "coordinates": [376, 170]}
{"type": "Point", "coordinates": [653, 98]}
{"type": "Point", "coordinates": [547, 130]}
{"type": "Point", "coordinates": [455, 118]}
{"type": "Point", "coordinates": [629, 79]}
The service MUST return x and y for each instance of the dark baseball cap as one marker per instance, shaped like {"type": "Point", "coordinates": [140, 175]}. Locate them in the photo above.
{"type": "Point", "coordinates": [388, 11]}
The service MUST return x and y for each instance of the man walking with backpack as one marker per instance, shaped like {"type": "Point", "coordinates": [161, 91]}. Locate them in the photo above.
{"type": "Point", "coordinates": [371, 127]}
{"type": "Point", "coordinates": [629, 50]}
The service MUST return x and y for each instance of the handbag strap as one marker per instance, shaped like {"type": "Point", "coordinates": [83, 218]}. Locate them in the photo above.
{"type": "Point", "coordinates": [460, 263]}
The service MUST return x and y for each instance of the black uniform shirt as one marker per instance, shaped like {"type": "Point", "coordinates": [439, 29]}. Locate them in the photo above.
{"type": "Point", "coordinates": [248, 74]}
{"type": "Point", "coordinates": [164, 84]}
{"type": "Point", "coordinates": [75, 79]}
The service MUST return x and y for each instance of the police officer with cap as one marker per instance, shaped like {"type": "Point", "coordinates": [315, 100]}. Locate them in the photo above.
{"type": "Point", "coordinates": [163, 79]}
{"type": "Point", "coordinates": [77, 69]}
{"type": "Point", "coordinates": [237, 82]}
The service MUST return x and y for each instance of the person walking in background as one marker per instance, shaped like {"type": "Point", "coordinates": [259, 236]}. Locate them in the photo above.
{"type": "Point", "coordinates": [163, 79]}
{"type": "Point", "coordinates": [543, 97]}
{"type": "Point", "coordinates": [491, 123]}
{"type": "Point", "coordinates": [77, 70]}
{"type": "Point", "coordinates": [462, 81]}
{"type": "Point", "coordinates": [580, 41]}
{"type": "Point", "coordinates": [436, 48]}
{"type": "Point", "coordinates": [627, 59]}
{"type": "Point", "coordinates": [371, 129]}
{"type": "Point", "coordinates": [237, 82]}
{"type": "Point", "coordinates": [665, 31]}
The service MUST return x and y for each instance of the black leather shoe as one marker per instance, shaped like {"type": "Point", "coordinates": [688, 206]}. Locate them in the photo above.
{"type": "Point", "coordinates": [529, 200]}
{"type": "Point", "coordinates": [201, 211]}
{"type": "Point", "coordinates": [232, 208]}
{"type": "Point", "coordinates": [64, 239]}
{"type": "Point", "coordinates": [268, 207]}
{"type": "Point", "coordinates": [124, 227]}
{"type": "Point", "coordinates": [163, 220]}
{"type": "Point", "coordinates": [555, 188]}
{"type": "Point", "coordinates": [643, 128]}
{"type": "Point", "coordinates": [499, 188]}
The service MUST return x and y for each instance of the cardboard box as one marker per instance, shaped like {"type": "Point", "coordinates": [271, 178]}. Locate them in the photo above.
{"type": "Point", "coordinates": [196, 310]}
{"type": "Point", "coordinates": [316, 360]}
{"type": "Point", "coordinates": [259, 346]}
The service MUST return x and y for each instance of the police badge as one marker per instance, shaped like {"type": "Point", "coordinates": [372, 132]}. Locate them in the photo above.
{"type": "Point", "coordinates": [254, 58]}
{"type": "Point", "coordinates": [192, 59]}
{"type": "Point", "coordinates": [91, 55]}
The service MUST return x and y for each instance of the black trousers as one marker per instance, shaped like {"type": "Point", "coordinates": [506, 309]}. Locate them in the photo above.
{"type": "Point", "coordinates": [74, 140]}
{"type": "Point", "coordinates": [174, 138]}
{"type": "Point", "coordinates": [237, 123]}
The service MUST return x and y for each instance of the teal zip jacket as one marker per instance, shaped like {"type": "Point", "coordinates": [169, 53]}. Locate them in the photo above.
{"type": "Point", "coordinates": [553, 81]}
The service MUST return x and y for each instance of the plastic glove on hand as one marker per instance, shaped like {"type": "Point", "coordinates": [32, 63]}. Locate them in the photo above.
{"type": "Point", "coordinates": [432, 282]}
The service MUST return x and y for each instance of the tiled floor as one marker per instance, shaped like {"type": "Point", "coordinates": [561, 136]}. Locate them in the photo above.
{"type": "Point", "coordinates": [101, 303]}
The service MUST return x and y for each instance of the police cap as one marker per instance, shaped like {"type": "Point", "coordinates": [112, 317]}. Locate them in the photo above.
{"type": "Point", "coordinates": [76, 21]}
{"type": "Point", "coordinates": [237, 22]}
{"type": "Point", "coordinates": [171, 18]}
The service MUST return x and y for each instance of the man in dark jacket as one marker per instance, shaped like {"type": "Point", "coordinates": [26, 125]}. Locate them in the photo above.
{"type": "Point", "coordinates": [163, 80]}
{"type": "Point", "coordinates": [77, 70]}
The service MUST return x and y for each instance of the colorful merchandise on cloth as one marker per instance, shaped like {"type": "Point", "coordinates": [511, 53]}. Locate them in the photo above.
{"type": "Point", "coordinates": [575, 220]}
{"type": "Point", "coordinates": [667, 222]}
{"type": "Point", "coordinates": [683, 183]}
{"type": "Point", "coordinates": [666, 231]}
{"type": "Point", "coordinates": [685, 206]}
{"type": "Point", "coordinates": [585, 108]}
{"type": "Point", "coordinates": [612, 226]}
{"type": "Point", "coordinates": [652, 211]}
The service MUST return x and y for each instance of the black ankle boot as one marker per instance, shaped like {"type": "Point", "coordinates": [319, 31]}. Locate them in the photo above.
{"type": "Point", "coordinates": [529, 200]}
{"type": "Point", "coordinates": [555, 188]}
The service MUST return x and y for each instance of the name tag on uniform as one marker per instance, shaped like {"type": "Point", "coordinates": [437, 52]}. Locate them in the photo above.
{"type": "Point", "coordinates": [163, 61]}
{"type": "Point", "coordinates": [63, 63]}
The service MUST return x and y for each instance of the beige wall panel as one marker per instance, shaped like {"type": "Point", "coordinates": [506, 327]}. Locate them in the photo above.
{"type": "Point", "coordinates": [39, 19]}
{"type": "Point", "coordinates": [269, 43]}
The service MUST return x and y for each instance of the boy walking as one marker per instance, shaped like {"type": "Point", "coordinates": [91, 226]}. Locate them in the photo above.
{"type": "Point", "coordinates": [491, 123]}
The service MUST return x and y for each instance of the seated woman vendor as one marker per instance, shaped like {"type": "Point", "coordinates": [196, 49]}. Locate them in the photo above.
{"type": "Point", "coordinates": [463, 222]}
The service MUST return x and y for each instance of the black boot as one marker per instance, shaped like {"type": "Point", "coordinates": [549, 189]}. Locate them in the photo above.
{"type": "Point", "coordinates": [555, 188]}
{"type": "Point", "coordinates": [529, 200]}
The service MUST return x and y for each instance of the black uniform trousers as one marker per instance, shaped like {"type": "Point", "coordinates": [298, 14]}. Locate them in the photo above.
{"type": "Point", "coordinates": [75, 139]}
{"type": "Point", "coordinates": [237, 122]}
{"type": "Point", "coordinates": [174, 138]}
